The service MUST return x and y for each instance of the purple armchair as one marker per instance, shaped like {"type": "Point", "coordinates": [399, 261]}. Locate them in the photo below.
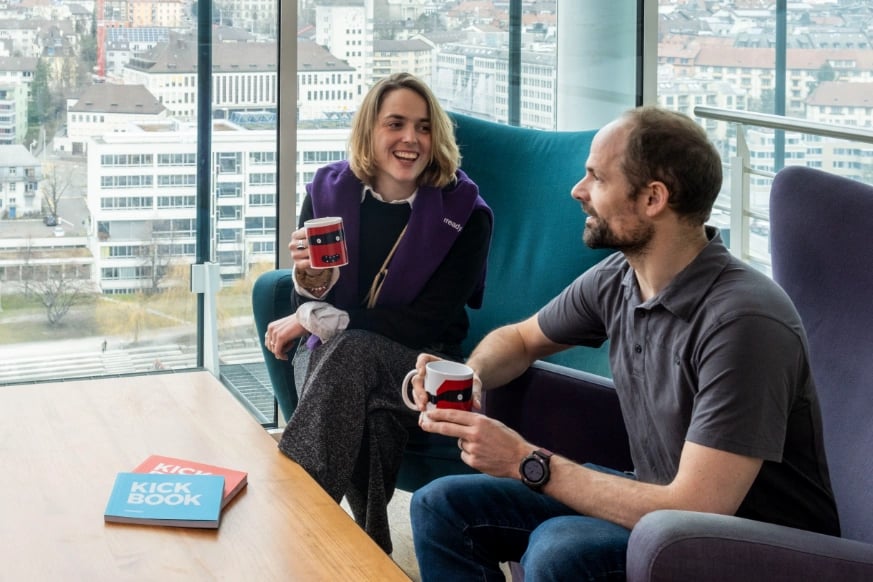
{"type": "Point", "coordinates": [822, 249]}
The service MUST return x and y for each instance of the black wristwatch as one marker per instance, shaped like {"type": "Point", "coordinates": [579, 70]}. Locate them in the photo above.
{"type": "Point", "coordinates": [534, 469]}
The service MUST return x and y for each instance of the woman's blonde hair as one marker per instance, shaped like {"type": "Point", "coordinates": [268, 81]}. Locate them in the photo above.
{"type": "Point", "coordinates": [445, 156]}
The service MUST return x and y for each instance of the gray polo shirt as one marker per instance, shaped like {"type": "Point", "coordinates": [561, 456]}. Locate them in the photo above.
{"type": "Point", "coordinates": [718, 358]}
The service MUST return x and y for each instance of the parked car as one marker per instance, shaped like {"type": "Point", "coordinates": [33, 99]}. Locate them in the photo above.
{"type": "Point", "coordinates": [759, 226]}
{"type": "Point", "coordinates": [59, 231]}
{"type": "Point", "coordinates": [50, 220]}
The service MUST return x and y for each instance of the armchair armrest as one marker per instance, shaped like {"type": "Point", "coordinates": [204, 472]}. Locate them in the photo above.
{"type": "Point", "coordinates": [684, 545]}
{"type": "Point", "coordinates": [568, 411]}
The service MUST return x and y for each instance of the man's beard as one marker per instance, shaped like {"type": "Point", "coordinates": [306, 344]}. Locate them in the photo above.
{"type": "Point", "coordinates": [598, 235]}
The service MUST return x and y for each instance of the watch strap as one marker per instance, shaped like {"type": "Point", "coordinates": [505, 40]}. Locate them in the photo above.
{"type": "Point", "coordinates": [544, 453]}
{"type": "Point", "coordinates": [543, 457]}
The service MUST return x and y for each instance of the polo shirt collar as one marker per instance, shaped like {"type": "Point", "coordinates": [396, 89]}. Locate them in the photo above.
{"type": "Point", "coordinates": [688, 288]}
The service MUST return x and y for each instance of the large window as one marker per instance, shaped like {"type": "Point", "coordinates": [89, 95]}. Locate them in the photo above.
{"type": "Point", "coordinates": [809, 61]}
{"type": "Point", "coordinates": [103, 175]}
{"type": "Point", "coordinates": [103, 191]}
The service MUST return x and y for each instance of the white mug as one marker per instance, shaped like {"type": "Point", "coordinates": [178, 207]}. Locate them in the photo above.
{"type": "Point", "coordinates": [448, 385]}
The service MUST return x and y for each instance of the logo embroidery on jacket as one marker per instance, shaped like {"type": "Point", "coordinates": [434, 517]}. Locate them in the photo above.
{"type": "Point", "coordinates": [453, 224]}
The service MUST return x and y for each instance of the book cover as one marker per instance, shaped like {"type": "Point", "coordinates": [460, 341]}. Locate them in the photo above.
{"type": "Point", "coordinates": [234, 480]}
{"type": "Point", "coordinates": [172, 500]}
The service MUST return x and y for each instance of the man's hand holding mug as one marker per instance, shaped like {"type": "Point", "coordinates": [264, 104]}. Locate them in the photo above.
{"type": "Point", "coordinates": [436, 383]}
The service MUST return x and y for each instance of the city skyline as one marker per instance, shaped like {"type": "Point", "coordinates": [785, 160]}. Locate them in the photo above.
{"type": "Point", "coordinates": [721, 58]}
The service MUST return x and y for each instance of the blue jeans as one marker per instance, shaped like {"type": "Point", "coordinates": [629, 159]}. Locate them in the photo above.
{"type": "Point", "coordinates": [463, 526]}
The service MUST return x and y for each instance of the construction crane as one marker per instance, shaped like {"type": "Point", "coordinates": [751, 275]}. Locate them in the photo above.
{"type": "Point", "coordinates": [104, 22]}
{"type": "Point", "coordinates": [101, 39]}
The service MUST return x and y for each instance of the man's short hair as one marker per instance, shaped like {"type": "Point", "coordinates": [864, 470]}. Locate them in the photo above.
{"type": "Point", "coordinates": [669, 147]}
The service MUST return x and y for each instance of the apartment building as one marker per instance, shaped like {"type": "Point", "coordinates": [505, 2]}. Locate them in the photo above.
{"type": "Point", "coordinates": [166, 13]}
{"type": "Point", "coordinates": [21, 36]}
{"type": "Point", "coordinates": [844, 104]}
{"type": "Point", "coordinates": [346, 30]}
{"type": "Point", "coordinates": [257, 16]}
{"type": "Point", "coordinates": [20, 174]}
{"type": "Point", "coordinates": [412, 56]}
{"type": "Point", "coordinates": [18, 71]}
{"type": "Point", "coordinates": [13, 113]}
{"type": "Point", "coordinates": [683, 94]}
{"type": "Point", "coordinates": [402, 10]}
{"type": "Point", "coordinates": [327, 86]}
{"type": "Point", "coordinates": [472, 78]}
{"type": "Point", "coordinates": [752, 69]}
{"type": "Point", "coordinates": [142, 190]}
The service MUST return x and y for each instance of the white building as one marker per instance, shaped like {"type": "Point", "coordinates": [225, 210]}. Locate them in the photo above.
{"type": "Point", "coordinates": [106, 107]}
{"type": "Point", "coordinates": [846, 104]}
{"type": "Point", "coordinates": [683, 94]}
{"type": "Point", "coordinates": [316, 148]}
{"type": "Point", "coordinates": [327, 86]}
{"type": "Point", "coordinates": [20, 173]}
{"type": "Point", "coordinates": [22, 36]}
{"type": "Point", "coordinates": [243, 76]}
{"type": "Point", "coordinates": [411, 56]}
{"type": "Point", "coordinates": [346, 30]}
{"type": "Point", "coordinates": [473, 79]}
{"type": "Point", "coordinates": [123, 43]}
{"type": "Point", "coordinates": [401, 10]}
{"type": "Point", "coordinates": [256, 16]}
{"type": "Point", "coordinates": [142, 190]}
{"type": "Point", "coordinates": [18, 71]}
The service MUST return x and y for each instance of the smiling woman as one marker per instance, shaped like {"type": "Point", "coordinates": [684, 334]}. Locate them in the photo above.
{"type": "Point", "coordinates": [418, 236]}
{"type": "Point", "coordinates": [401, 144]}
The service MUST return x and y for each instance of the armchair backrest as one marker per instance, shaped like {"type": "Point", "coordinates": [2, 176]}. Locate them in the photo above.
{"type": "Point", "coordinates": [821, 234]}
{"type": "Point", "coordinates": [526, 175]}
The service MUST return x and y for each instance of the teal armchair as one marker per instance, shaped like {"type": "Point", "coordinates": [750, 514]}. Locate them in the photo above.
{"type": "Point", "coordinates": [525, 176]}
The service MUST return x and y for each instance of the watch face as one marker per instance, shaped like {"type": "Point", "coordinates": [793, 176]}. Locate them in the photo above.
{"type": "Point", "coordinates": [533, 470]}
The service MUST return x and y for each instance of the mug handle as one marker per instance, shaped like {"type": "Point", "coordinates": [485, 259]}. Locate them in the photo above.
{"type": "Point", "coordinates": [406, 391]}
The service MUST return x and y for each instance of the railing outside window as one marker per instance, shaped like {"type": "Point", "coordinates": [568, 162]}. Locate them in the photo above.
{"type": "Point", "coordinates": [746, 202]}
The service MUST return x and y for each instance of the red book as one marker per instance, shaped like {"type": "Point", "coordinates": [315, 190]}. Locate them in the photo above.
{"type": "Point", "coordinates": [234, 480]}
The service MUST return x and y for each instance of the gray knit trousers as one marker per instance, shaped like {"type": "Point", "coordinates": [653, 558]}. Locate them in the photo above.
{"type": "Point", "coordinates": [350, 425]}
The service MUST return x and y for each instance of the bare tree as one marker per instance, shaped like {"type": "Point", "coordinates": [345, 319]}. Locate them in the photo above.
{"type": "Point", "coordinates": [155, 258]}
{"type": "Point", "coordinates": [58, 294]}
{"type": "Point", "coordinates": [56, 182]}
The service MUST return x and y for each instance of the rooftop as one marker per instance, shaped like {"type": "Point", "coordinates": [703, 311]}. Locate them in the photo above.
{"type": "Point", "coordinates": [112, 98]}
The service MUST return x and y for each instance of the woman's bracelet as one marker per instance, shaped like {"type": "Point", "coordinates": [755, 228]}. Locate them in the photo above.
{"type": "Point", "coordinates": [317, 291]}
{"type": "Point", "coordinates": [309, 282]}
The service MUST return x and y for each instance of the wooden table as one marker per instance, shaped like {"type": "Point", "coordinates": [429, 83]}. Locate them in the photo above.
{"type": "Point", "coordinates": [61, 445]}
